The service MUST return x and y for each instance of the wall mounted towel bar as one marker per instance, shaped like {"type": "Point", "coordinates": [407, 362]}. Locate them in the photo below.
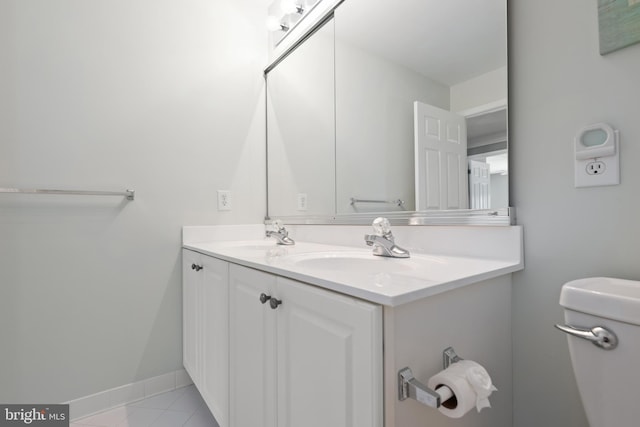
{"type": "Point", "coordinates": [129, 194]}
{"type": "Point", "coordinates": [396, 202]}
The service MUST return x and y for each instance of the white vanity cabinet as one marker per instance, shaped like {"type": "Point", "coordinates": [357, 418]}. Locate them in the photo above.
{"type": "Point", "coordinates": [303, 357]}
{"type": "Point", "coordinates": [206, 329]}
{"type": "Point", "coordinates": [267, 351]}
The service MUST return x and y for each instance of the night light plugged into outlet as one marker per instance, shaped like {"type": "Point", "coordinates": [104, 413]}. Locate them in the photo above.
{"type": "Point", "coordinates": [597, 156]}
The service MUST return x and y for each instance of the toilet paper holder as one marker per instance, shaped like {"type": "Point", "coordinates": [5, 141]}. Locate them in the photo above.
{"type": "Point", "coordinates": [410, 388]}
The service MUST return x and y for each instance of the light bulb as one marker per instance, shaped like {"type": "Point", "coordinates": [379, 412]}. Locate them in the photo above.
{"type": "Point", "coordinates": [290, 6]}
{"type": "Point", "coordinates": [310, 3]}
{"type": "Point", "coordinates": [274, 24]}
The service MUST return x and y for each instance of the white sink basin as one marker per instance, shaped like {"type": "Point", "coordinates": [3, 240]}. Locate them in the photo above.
{"type": "Point", "coordinates": [390, 281]}
{"type": "Point", "coordinates": [365, 263]}
{"type": "Point", "coordinates": [253, 245]}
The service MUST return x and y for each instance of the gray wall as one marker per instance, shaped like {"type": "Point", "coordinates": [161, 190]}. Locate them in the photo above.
{"type": "Point", "coordinates": [162, 96]}
{"type": "Point", "coordinates": [499, 190]}
{"type": "Point", "coordinates": [559, 83]}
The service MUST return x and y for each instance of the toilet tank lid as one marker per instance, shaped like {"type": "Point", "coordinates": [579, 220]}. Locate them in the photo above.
{"type": "Point", "coordinates": [615, 299]}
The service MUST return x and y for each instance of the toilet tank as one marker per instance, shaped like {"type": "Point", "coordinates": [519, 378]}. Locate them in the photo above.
{"type": "Point", "coordinates": [615, 299]}
{"type": "Point", "coordinates": [608, 380]}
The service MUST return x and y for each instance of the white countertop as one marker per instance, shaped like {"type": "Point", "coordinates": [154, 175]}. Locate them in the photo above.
{"type": "Point", "coordinates": [357, 272]}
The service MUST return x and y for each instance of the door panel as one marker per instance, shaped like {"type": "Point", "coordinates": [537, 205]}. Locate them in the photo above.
{"type": "Point", "coordinates": [441, 158]}
{"type": "Point", "coordinates": [252, 349]}
{"type": "Point", "coordinates": [479, 185]}
{"type": "Point", "coordinates": [329, 359]}
{"type": "Point", "coordinates": [215, 337]}
{"type": "Point", "coordinates": [192, 280]}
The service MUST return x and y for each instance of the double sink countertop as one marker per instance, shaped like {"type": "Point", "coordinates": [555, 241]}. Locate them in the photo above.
{"type": "Point", "coordinates": [355, 271]}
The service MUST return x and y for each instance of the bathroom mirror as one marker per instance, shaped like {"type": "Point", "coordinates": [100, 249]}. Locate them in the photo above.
{"type": "Point", "coordinates": [301, 129]}
{"type": "Point", "coordinates": [420, 114]}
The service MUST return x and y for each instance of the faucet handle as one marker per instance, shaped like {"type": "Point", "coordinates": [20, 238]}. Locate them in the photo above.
{"type": "Point", "coordinates": [276, 225]}
{"type": "Point", "coordinates": [381, 226]}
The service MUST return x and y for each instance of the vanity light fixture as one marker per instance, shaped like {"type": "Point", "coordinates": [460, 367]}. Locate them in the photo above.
{"type": "Point", "coordinates": [289, 14]}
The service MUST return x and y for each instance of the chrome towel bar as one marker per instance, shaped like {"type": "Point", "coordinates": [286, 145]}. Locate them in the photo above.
{"type": "Point", "coordinates": [129, 194]}
{"type": "Point", "coordinates": [396, 202]}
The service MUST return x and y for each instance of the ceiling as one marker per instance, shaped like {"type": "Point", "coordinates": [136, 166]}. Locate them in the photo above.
{"type": "Point", "coordinates": [487, 125]}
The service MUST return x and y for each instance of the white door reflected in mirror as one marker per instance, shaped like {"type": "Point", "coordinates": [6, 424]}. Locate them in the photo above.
{"type": "Point", "coordinates": [441, 158]}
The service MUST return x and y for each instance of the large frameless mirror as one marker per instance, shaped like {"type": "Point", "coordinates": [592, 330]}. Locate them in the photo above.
{"type": "Point", "coordinates": [395, 108]}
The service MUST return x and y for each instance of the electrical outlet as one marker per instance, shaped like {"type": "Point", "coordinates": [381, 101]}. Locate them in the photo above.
{"type": "Point", "coordinates": [224, 200]}
{"type": "Point", "coordinates": [302, 201]}
{"type": "Point", "coordinates": [597, 172]}
{"type": "Point", "coordinates": [599, 164]}
{"type": "Point", "coordinates": [596, 168]}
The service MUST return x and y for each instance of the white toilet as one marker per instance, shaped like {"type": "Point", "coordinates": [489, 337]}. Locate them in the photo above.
{"type": "Point", "coordinates": [602, 318]}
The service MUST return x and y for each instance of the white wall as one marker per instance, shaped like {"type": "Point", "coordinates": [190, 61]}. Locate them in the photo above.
{"type": "Point", "coordinates": [499, 190]}
{"type": "Point", "coordinates": [558, 83]}
{"type": "Point", "coordinates": [161, 96]}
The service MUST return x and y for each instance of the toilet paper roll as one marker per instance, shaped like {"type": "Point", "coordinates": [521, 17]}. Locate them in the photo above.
{"type": "Point", "coordinates": [471, 386]}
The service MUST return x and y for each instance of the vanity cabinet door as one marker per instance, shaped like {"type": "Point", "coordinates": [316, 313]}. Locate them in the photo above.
{"type": "Point", "coordinates": [214, 321]}
{"type": "Point", "coordinates": [191, 287]}
{"type": "Point", "coordinates": [329, 359]}
{"type": "Point", "coordinates": [252, 348]}
{"type": "Point", "coordinates": [303, 357]}
{"type": "Point", "coordinates": [205, 299]}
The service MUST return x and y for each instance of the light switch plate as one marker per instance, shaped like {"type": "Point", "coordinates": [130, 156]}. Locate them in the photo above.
{"type": "Point", "coordinates": [224, 200]}
{"type": "Point", "coordinates": [302, 201]}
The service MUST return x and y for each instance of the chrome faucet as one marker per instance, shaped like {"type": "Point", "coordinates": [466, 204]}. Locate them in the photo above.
{"type": "Point", "coordinates": [279, 233]}
{"type": "Point", "coordinates": [383, 241]}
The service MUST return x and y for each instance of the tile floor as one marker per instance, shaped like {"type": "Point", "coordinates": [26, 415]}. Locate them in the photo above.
{"type": "Point", "coordinates": [177, 408]}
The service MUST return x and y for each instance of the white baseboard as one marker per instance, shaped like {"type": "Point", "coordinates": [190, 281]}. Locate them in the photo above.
{"type": "Point", "coordinates": [129, 393]}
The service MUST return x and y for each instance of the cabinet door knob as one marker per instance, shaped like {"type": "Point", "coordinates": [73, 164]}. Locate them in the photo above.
{"type": "Point", "coordinates": [196, 267]}
{"type": "Point", "coordinates": [264, 298]}
{"type": "Point", "coordinates": [274, 303]}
